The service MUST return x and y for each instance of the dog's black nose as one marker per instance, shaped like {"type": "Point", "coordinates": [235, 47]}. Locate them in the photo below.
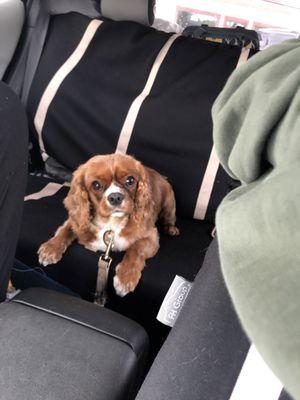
{"type": "Point", "coordinates": [115, 199]}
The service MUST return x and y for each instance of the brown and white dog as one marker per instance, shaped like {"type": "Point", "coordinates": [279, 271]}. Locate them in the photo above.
{"type": "Point", "coordinates": [115, 192]}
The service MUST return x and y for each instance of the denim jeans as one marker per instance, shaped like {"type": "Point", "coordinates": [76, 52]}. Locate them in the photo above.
{"type": "Point", "coordinates": [23, 277]}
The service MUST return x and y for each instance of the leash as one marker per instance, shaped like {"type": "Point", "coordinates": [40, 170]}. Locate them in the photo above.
{"type": "Point", "coordinates": [103, 269]}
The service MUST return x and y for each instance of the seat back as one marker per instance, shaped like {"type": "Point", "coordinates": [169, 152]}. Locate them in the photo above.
{"type": "Point", "coordinates": [103, 86]}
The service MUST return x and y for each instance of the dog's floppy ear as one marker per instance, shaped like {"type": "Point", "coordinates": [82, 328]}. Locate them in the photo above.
{"type": "Point", "coordinates": [77, 201]}
{"type": "Point", "coordinates": [143, 198]}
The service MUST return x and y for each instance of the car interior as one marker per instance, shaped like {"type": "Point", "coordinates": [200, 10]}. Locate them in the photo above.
{"type": "Point", "coordinates": [95, 77]}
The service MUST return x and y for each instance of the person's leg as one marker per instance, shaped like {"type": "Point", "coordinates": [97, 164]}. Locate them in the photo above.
{"type": "Point", "coordinates": [23, 277]}
{"type": "Point", "coordinates": [13, 172]}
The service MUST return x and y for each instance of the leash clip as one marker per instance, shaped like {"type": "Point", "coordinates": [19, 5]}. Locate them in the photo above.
{"type": "Point", "coordinates": [108, 239]}
{"type": "Point", "coordinates": [103, 269]}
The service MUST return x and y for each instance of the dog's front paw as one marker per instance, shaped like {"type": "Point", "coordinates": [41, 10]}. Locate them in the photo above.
{"type": "Point", "coordinates": [171, 230]}
{"type": "Point", "coordinates": [50, 252]}
{"type": "Point", "coordinates": [126, 280]}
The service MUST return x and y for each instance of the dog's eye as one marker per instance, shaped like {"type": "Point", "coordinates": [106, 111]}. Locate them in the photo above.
{"type": "Point", "coordinates": [97, 185]}
{"type": "Point", "coordinates": [129, 181]}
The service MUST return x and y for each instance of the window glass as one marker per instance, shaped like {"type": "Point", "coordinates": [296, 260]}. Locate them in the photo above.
{"type": "Point", "coordinates": [187, 17]}
{"type": "Point", "coordinates": [232, 22]}
{"type": "Point", "coordinates": [275, 20]}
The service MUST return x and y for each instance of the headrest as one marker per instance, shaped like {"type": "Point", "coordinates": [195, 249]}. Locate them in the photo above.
{"type": "Point", "coordinates": [11, 23]}
{"type": "Point", "coordinates": [89, 8]}
{"type": "Point", "coordinates": [141, 11]}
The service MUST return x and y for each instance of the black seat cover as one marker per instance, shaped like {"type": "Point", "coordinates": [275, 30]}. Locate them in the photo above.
{"type": "Point", "coordinates": [172, 133]}
{"type": "Point", "coordinates": [78, 269]}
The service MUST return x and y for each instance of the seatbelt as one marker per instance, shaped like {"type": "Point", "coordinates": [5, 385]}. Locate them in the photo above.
{"type": "Point", "coordinates": [36, 47]}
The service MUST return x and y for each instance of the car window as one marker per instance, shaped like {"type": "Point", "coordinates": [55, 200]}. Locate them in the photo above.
{"type": "Point", "coordinates": [274, 20]}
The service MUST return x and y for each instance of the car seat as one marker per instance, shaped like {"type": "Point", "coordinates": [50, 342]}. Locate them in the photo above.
{"type": "Point", "coordinates": [95, 85]}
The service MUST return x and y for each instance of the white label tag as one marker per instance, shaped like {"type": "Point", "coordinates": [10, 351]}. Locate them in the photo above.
{"type": "Point", "coordinates": [174, 301]}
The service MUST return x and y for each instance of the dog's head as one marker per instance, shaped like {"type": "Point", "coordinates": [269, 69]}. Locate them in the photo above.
{"type": "Point", "coordinates": [108, 186]}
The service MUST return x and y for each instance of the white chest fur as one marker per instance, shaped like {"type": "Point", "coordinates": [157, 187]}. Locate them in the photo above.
{"type": "Point", "coordinates": [116, 224]}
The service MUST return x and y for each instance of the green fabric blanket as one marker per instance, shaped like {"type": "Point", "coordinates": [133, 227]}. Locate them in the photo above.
{"type": "Point", "coordinates": [257, 137]}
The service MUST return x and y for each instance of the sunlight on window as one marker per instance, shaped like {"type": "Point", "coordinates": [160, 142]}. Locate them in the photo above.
{"type": "Point", "coordinates": [275, 20]}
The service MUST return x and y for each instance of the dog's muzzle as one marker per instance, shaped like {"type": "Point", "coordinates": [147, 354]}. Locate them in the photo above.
{"type": "Point", "coordinates": [115, 199]}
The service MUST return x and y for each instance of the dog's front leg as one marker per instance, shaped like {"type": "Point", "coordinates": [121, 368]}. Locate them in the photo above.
{"type": "Point", "coordinates": [52, 251]}
{"type": "Point", "coordinates": [128, 272]}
